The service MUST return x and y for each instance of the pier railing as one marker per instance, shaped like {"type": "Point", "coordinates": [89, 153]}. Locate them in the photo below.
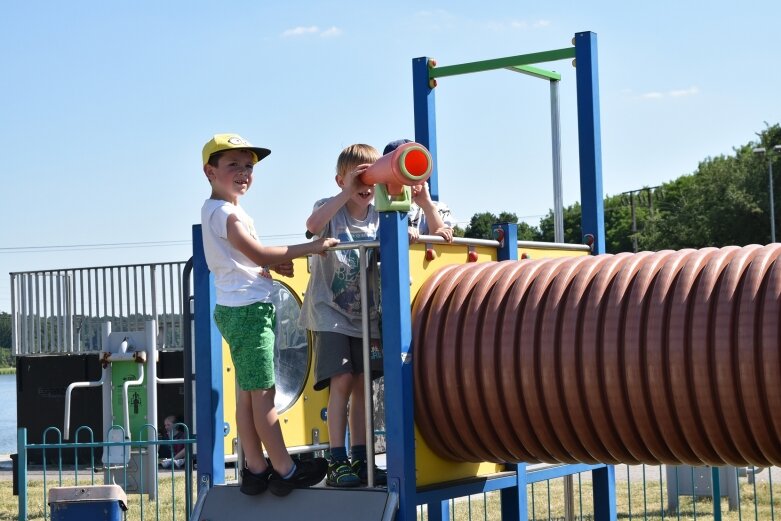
{"type": "Point", "coordinates": [61, 311]}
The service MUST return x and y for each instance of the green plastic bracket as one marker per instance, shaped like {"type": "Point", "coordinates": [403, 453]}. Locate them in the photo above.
{"type": "Point", "coordinates": [386, 202]}
{"type": "Point", "coordinates": [536, 72]}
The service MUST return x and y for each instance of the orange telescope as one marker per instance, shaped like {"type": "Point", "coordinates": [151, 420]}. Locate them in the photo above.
{"type": "Point", "coordinates": [409, 165]}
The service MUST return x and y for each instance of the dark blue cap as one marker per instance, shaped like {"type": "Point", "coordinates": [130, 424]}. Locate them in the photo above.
{"type": "Point", "coordinates": [393, 145]}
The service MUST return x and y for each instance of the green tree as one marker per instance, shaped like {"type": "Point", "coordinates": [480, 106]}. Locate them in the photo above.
{"type": "Point", "coordinates": [481, 226]}
{"type": "Point", "coordinates": [6, 358]}
{"type": "Point", "coordinates": [572, 230]}
{"type": "Point", "coordinates": [5, 330]}
{"type": "Point", "coordinates": [458, 231]}
{"type": "Point", "coordinates": [725, 201]}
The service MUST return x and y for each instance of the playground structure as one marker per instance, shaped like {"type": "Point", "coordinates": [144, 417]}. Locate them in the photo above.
{"type": "Point", "coordinates": [532, 338]}
{"type": "Point", "coordinates": [402, 444]}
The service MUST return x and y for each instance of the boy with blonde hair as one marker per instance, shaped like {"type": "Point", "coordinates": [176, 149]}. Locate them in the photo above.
{"type": "Point", "coordinates": [332, 311]}
{"type": "Point", "coordinates": [245, 315]}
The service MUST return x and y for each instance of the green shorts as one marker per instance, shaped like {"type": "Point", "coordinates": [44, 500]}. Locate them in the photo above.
{"type": "Point", "coordinates": [249, 331]}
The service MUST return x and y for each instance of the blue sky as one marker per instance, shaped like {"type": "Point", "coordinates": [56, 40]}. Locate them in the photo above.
{"type": "Point", "coordinates": [106, 106]}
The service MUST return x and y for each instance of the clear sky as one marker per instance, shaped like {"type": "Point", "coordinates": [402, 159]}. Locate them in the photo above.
{"type": "Point", "coordinates": [106, 105]}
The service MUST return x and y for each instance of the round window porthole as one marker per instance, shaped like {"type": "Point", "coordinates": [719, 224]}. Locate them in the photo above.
{"type": "Point", "coordinates": [292, 354]}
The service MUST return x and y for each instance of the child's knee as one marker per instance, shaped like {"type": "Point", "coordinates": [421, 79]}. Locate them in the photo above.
{"type": "Point", "coordinates": [342, 383]}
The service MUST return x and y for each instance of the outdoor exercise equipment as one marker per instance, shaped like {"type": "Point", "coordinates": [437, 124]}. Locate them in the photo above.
{"type": "Point", "coordinates": [129, 402]}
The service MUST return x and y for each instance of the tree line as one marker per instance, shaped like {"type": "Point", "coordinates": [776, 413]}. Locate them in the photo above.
{"type": "Point", "coordinates": [6, 360]}
{"type": "Point", "coordinates": [725, 201]}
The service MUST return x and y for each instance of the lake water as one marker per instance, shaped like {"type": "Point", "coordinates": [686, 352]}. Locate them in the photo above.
{"type": "Point", "coordinates": [8, 416]}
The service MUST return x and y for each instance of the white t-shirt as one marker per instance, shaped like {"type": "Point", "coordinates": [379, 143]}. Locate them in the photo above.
{"type": "Point", "coordinates": [238, 280]}
{"type": "Point", "coordinates": [417, 217]}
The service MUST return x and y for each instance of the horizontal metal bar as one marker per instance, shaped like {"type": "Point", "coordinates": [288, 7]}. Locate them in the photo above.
{"type": "Point", "coordinates": [100, 444]}
{"type": "Point", "coordinates": [354, 245]}
{"type": "Point", "coordinates": [303, 449]}
{"type": "Point", "coordinates": [502, 63]}
{"type": "Point", "coordinates": [534, 475]}
{"type": "Point", "coordinates": [534, 245]}
{"type": "Point", "coordinates": [466, 487]}
{"type": "Point", "coordinates": [116, 266]}
{"type": "Point", "coordinates": [436, 239]}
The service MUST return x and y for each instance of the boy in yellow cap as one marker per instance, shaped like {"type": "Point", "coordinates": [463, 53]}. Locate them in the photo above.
{"type": "Point", "coordinates": [245, 315]}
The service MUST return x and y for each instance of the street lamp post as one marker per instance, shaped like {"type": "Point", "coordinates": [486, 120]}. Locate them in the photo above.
{"type": "Point", "coordinates": [761, 150]}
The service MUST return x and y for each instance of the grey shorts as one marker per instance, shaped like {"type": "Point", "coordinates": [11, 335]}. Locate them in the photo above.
{"type": "Point", "coordinates": [336, 353]}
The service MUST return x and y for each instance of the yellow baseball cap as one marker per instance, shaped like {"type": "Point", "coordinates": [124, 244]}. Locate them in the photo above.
{"type": "Point", "coordinates": [222, 142]}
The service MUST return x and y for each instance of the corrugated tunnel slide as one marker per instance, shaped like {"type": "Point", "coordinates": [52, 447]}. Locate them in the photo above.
{"type": "Point", "coordinates": [668, 357]}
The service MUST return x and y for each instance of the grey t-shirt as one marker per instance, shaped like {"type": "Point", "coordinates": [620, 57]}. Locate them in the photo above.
{"type": "Point", "coordinates": [332, 301]}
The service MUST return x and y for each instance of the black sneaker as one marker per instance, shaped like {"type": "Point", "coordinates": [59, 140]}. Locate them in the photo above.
{"type": "Point", "coordinates": [341, 474]}
{"type": "Point", "coordinates": [361, 468]}
{"type": "Point", "coordinates": [253, 484]}
{"type": "Point", "coordinates": [308, 473]}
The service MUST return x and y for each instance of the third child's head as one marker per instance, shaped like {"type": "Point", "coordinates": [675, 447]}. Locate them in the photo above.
{"type": "Point", "coordinates": [351, 158]}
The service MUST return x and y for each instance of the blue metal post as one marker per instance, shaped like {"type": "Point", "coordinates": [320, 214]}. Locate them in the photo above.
{"type": "Point", "coordinates": [439, 510]}
{"type": "Point", "coordinates": [508, 245]}
{"type": "Point", "coordinates": [210, 419]}
{"type": "Point", "coordinates": [425, 119]}
{"type": "Point", "coordinates": [589, 139]}
{"type": "Point", "coordinates": [21, 468]}
{"type": "Point", "coordinates": [514, 499]}
{"type": "Point", "coordinates": [716, 490]}
{"type": "Point", "coordinates": [605, 493]}
{"type": "Point", "coordinates": [397, 354]}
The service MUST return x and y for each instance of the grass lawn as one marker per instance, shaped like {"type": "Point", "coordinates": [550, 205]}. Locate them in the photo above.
{"type": "Point", "coordinates": [170, 503]}
{"type": "Point", "coordinates": [545, 502]}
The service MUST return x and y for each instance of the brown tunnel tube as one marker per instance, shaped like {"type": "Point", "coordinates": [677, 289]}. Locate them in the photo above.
{"type": "Point", "coordinates": [669, 357]}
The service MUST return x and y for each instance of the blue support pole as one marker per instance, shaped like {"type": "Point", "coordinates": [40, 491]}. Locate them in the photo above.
{"type": "Point", "coordinates": [589, 140]}
{"type": "Point", "coordinates": [425, 119]}
{"type": "Point", "coordinates": [716, 490]}
{"type": "Point", "coordinates": [439, 510]}
{"type": "Point", "coordinates": [21, 471]}
{"type": "Point", "coordinates": [604, 479]}
{"type": "Point", "coordinates": [508, 244]}
{"type": "Point", "coordinates": [397, 354]}
{"type": "Point", "coordinates": [210, 419]}
{"type": "Point", "coordinates": [514, 499]}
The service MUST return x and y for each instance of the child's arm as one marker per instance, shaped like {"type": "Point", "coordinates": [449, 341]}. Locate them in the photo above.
{"type": "Point", "coordinates": [435, 222]}
{"type": "Point", "coordinates": [271, 255]}
{"type": "Point", "coordinates": [286, 269]}
{"type": "Point", "coordinates": [350, 184]}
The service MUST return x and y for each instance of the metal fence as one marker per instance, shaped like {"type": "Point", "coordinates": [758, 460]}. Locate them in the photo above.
{"type": "Point", "coordinates": [168, 495]}
{"type": "Point", "coordinates": [61, 311]}
{"type": "Point", "coordinates": [648, 493]}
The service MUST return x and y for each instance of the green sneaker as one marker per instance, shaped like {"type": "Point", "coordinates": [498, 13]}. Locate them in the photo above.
{"type": "Point", "coordinates": [340, 474]}
{"type": "Point", "coordinates": [361, 468]}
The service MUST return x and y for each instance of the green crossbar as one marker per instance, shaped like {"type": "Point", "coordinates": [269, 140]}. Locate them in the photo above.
{"type": "Point", "coordinates": [511, 62]}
